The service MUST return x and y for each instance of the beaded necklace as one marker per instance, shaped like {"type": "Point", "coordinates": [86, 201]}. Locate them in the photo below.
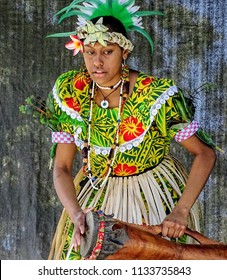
{"type": "Point", "coordinates": [105, 103]}
{"type": "Point", "coordinates": [115, 146]}
{"type": "Point", "coordinates": [111, 87]}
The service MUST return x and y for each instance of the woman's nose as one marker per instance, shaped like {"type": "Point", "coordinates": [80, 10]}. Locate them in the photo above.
{"type": "Point", "coordinates": [98, 61]}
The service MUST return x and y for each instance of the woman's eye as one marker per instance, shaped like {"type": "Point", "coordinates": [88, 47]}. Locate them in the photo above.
{"type": "Point", "coordinates": [107, 52]}
{"type": "Point", "coordinates": [90, 52]}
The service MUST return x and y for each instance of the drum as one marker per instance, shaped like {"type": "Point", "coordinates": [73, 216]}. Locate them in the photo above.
{"type": "Point", "coordinates": [111, 239]}
{"type": "Point", "coordinates": [101, 237]}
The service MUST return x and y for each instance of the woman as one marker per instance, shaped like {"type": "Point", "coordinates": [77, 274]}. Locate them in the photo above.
{"type": "Point", "coordinates": [122, 121]}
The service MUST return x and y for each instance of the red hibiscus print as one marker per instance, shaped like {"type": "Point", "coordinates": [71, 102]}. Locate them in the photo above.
{"type": "Point", "coordinates": [147, 81]}
{"type": "Point", "coordinates": [72, 103]}
{"type": "Point", "coordinates": [80, 84]}
{"type": "Point", "coordinates": [123, 169]}
{"type": "Point", "coordinates": [131, 128]}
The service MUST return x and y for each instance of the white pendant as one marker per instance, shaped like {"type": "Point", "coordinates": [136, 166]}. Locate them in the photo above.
{"type": "Point", "coordinates": [104, 104]}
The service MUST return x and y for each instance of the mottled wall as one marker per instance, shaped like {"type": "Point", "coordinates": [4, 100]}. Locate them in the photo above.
{"type": "Point", "coordinates": [190, 47]}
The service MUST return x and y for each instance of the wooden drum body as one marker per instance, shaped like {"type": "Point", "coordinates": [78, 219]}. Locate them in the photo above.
{"type": "Point", "coordinates": [111, 239]}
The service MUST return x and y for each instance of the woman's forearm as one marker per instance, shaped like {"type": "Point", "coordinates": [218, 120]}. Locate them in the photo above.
{"type": "Point", "coordinates": [175, 223]}
{"type": "Point", "coordinates": [65, 189]}
{"type": "Point", "coordinates": [201, 168]}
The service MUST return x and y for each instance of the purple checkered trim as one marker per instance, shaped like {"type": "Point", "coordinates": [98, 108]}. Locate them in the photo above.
{"type": "Point", "coordinates": [62, 137]}
{"type": "Point", "coordinates": [187, 132]}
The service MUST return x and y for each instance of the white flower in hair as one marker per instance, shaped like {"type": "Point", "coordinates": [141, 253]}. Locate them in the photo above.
{"type": "Point", "coordinates": [122, 1]}
{"type": "Point", "coordinates": [132, 9]}
{"type": "Point", "coordinates": [81, 21]}
{"type": "Point", "coordinates": [92, 5]}
{"type": "Point", "coordinates": [138, 22]}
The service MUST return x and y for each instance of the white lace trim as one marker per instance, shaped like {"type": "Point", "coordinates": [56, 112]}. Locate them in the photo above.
{"type": "Point", "coordinates": [153, 112]}
{"type": "Point", "coordinates": [128, 145]}
{"type": "Point", "coordinates": [135, 142]}
{"type": "Point", "coordinates": [70, 112]}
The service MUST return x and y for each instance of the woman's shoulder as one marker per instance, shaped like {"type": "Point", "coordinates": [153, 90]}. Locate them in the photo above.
{"type": "Point", "coordinates": [154, 82]}
{"type": "Point", "coordinates": [67, 77]}
{"type": "Point", "coordinates": [69, 95]}
{"type": "Point", "coordinates": [71, 84]}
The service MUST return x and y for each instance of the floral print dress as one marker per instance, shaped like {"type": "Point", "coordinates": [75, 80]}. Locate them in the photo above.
{"type": "Point", "coordinates": [146, 181]}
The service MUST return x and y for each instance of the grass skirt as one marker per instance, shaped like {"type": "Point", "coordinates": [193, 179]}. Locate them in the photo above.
{"type": "Point", "coordinates": [140, 199]}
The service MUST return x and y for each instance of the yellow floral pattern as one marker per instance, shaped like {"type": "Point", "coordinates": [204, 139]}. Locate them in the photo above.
{"type": "Point", "coordinates": [150, 119]}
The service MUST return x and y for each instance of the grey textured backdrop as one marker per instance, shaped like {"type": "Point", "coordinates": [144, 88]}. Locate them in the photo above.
{"type": "Point", "coordinates": [190, 47]}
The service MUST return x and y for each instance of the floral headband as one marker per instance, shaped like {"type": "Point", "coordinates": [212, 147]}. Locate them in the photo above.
{"type": "Point", "coordinates": [88, 33]}
{"type": "Point", "coordinates": [92, 33]}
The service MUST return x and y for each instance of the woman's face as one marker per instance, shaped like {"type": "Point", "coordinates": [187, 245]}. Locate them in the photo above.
{"type": "Point", "coordinates": [104, 63]}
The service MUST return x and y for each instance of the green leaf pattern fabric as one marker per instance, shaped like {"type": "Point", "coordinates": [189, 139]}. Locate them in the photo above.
{"type": "Point", "coordinates": [154, 112]}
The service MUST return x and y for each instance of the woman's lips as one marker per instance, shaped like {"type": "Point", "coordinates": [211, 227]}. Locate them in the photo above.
{"type": "Point", "coordinates": [99, 74]}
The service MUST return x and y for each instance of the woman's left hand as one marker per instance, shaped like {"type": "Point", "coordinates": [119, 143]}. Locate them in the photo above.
{"type": "Point", "coordinates": [174, 225]}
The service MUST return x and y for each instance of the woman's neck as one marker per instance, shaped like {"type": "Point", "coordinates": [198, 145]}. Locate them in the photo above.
{"type": "Point", "coordinates": [113, 95]}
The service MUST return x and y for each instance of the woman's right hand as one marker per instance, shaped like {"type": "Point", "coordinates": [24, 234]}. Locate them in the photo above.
{"type": "Point", "coordinates": [79, 227]}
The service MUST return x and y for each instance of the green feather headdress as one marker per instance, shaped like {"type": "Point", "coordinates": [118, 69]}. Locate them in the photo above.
{"type": "Point", "coordinates": [124, 10]}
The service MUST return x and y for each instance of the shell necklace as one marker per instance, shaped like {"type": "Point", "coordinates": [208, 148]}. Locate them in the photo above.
{"type": "Point", "coordinates": [105, 103]}
{"type": "Point", "coordinates": [115, 146]}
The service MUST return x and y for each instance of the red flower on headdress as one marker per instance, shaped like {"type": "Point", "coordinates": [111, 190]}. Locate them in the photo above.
{"type": "Point", "coordinates": [72, 103]}
{"type": "Point", "coordinates": [131, 128]}
{"type": "Point", "coordinates": [76, 45]}
{"type": "Point", "coordinates": [147, 81]}
{"type": "Point", "coordinates": [123, 169]}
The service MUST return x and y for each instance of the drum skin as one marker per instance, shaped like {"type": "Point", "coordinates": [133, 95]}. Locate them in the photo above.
{"type": "Point", "coordinates": [125, 241]}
